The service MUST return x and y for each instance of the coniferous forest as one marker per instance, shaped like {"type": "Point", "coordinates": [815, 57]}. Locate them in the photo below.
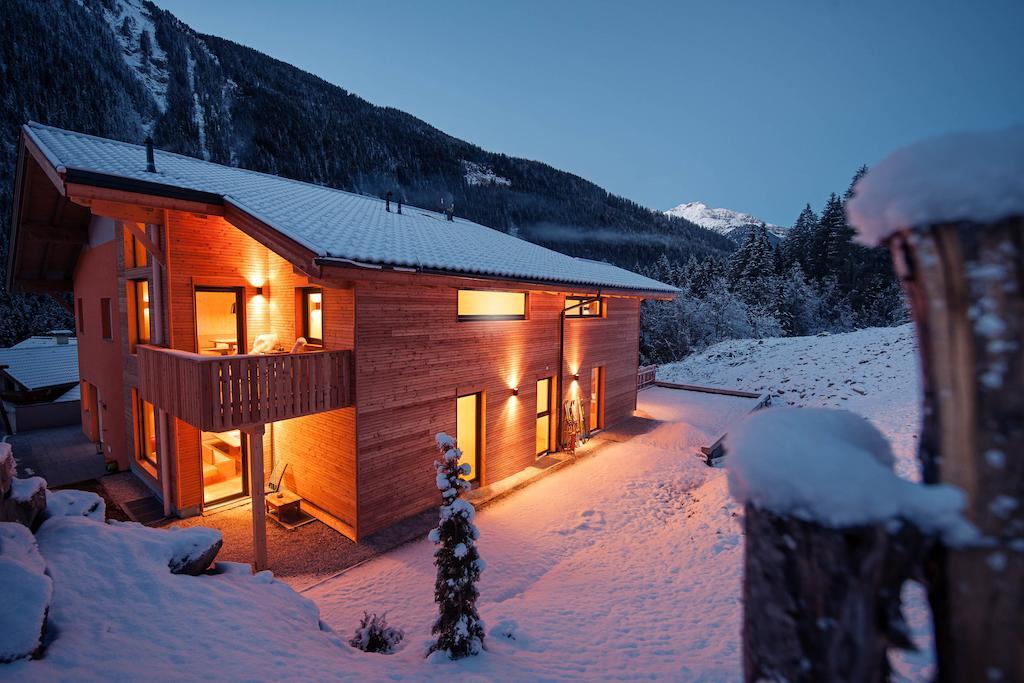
{"type": "Point", "coordinates": [97, 67]}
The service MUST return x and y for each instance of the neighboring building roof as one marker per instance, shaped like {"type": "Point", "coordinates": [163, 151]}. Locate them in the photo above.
{"type": "Point", "coordinates": [334, 224]}
{"type": "Point", "coordinates": [40, 362]}
{"type": "Point", "coordinates": [72, 394]}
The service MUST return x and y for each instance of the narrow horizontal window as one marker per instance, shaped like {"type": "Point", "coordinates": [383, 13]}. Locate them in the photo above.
{"type": "Point", "coordinates": [576, 308]}
{"type": "Point", "coordinates": [475, 304]}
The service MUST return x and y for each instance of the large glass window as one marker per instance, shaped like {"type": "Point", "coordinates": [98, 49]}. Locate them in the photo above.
{"type": "Point", "coordinates": [145, 432]}
{"type": "Point", "coordinates": [543, 416]}
{"type": "Point", "coordinates": [313, 315]}
{"type": "Point", "coordinates": [467, 433]}
{"type": "Point", "coordinates": [591, 309]}
{"type": "Point", "coordinates": [219, 321]}
{"type": "Point", "coordinates": [475, 304]}
{"type": "Point", "coordinates": [225, 474]}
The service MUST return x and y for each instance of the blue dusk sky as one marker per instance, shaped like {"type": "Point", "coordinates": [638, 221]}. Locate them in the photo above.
{"type": "Point", "coordinates": [754, 105]}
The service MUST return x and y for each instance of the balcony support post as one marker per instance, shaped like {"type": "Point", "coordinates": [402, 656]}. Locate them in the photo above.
{"type": "Point", "coordinates": [259, 507]}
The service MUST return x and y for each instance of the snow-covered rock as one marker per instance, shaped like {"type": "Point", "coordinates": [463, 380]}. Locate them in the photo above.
{"type": "Point", "coordinates": [74, 503]}
{"type": "Point", "coordinates": [8, 469]}
{"type": "Point", "coordinates": [118, 613]}
{"type": "Point", "coordinates": [25, 502]}
{"type": "Point", "coordinates": [958, 177]}
{"type": "Point", "coordinates": [722, 221]}
{"type": "Point", "coordinates": [27, 592]}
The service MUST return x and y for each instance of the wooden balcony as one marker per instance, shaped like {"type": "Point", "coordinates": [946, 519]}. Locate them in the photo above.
{"type": "Point", "coordinates": [218, 393]}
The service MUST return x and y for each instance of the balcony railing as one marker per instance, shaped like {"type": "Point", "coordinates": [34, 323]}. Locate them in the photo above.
{"type": "Point", "coordinates": [218, 393]}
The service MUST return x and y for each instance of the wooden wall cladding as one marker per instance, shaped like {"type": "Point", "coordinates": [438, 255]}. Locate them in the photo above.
{"type": "Point", "coordinates": [413, 359]}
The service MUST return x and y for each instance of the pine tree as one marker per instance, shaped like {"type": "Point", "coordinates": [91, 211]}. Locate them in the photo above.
{"type": "Point", "coordinates": [459, 629]}
{"type": "Point", "coordinates": [796, 246]}
{"type": "Point", "coordinates": [837, 239]}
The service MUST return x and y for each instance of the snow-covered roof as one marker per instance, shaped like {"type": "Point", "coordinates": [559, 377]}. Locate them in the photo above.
{"type": "Point", "coordinates": [962, 176]}
{"type": "Point", "coordinates": [335, 224]}
{"type": "Point", "coordinates": [37, 365]}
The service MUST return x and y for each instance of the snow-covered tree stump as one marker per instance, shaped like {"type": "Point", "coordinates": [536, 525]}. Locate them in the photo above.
{"type": "Point", "coordinates": [459, 629]}
{"type": "Point", "coordinates": [952, 214]}
{"type": "Point", "coordinates": [832, 534]}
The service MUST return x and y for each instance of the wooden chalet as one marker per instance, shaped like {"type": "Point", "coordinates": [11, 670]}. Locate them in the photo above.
{"type": "Point", "coordinates": [193, 283]}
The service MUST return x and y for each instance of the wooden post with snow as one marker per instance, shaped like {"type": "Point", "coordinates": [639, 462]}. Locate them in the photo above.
{"type": "Point", "coordinates": [952, 214]}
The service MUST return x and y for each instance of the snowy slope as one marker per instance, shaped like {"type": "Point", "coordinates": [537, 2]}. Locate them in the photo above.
{"type": "Point", "coordinates": [722, 221]}
{"type": "Point", "coordinates": [128, 20]}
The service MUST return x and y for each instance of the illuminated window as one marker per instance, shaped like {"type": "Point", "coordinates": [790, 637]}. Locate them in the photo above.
{"type": "Point", "coordinates": [313, 315]}
{"type": "Point", "coordinates": [145, 432]}
{"type": "Point", "coordinates": [135, 255]}
{"type": "Point", "coordinates": [467, 433]}
{"type": "Point", "coordinates": [591, 309]}
{"type": "Point", "coordinates": [543, 416]}
{"type": "Point", "coordinates": [475, 304]}
{"type": "Point", "coordinates": [138, 313]}
{"type": "Point", "coordinates": [596, 399]}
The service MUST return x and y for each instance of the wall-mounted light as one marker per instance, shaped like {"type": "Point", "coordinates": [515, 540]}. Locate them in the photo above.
{"type": "Point", "coordinates": [515, 391]}
{"type": "Point", "coordinates": [259, 291]}
{"type": "Point", "coordinates": [576, 377]}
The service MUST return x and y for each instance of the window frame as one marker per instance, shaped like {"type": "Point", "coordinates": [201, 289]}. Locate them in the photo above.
{"type": "Point", "coordinates": [141, 453]}
{"type": "Point", "coordinates": [107, 319]}
{"type": "Point", "coordinates": [305, 292]}
{"type": "Point", "coordinates": [135, 315]}
{"type": "Point", "coordinates": [464, 318]}
{"type": "Point", "coordinates": [578, 314]}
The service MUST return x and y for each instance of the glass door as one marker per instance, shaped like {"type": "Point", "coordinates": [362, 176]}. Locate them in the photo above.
{"type": "Point", "coordinates": [467, 433]}
{"type": "Point", "coordinates": [596, 399]}
{"type": "Point", "coordinates": [543, 416]}
{"type": "Point", "coordinates": [225, 466]}
{"type": "Point", "coordinates": [220, 317]}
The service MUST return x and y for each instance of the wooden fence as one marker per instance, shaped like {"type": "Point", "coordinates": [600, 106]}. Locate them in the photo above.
{"type": "Point", "coordinates": [218, 393]}
{"type": "Point", "coordinates": [645, 376]}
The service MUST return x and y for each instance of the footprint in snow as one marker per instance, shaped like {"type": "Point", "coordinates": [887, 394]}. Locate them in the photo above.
{"type": "Point", "coordinates": [589, 520]}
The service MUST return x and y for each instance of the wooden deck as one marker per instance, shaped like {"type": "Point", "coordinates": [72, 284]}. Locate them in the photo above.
{"type": "Point", "coordinates": [218, 393]}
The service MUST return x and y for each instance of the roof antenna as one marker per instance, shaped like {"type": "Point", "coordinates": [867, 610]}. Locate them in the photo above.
{"type": "Point", "coordinates": [150, 162]}
{"type": "Point", "coordinates": [387, 202]}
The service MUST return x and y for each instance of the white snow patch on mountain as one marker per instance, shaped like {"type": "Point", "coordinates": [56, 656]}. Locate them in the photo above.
{"type": "Point", "coordinates": [128, 20]}
{"type": "Point", "coordinates": [478, 174]}
{"type": "Point", "coordinates": [722, 221]}
{"type": "Point", "coordinates": [198, 114]}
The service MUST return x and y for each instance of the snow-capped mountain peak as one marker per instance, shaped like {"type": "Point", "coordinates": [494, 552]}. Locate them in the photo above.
{"type": "Point", "coordinates": [722, 221]}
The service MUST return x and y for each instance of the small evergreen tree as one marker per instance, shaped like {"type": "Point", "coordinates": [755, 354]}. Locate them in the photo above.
{"type": "Point", "coordinates": [459, 629]}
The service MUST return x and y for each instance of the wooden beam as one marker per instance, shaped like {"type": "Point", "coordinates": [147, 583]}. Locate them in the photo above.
{"type": "Point", "coordinates": [120, 211]}
{"type": "Point", "coordinates": [155, 251]}
{"type": "Point", "coordinates": [259, 505]}
{"type": "Point", "coordinates": [44, 164]}
{"type": "Point", "coordinates": [84, 195]}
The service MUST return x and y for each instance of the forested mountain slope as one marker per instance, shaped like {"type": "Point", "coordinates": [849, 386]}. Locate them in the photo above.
{"type": "Point", "coordinates": [126, 68]}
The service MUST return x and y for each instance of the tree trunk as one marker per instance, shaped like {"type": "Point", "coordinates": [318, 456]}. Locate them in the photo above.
{"type": "Point", "coordinates": [965, 284]}
{"type": "Point", "coordinates": [823, 604]}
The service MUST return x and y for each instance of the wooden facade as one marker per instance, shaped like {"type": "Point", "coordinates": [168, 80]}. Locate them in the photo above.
{"type": "Point", "coordinates": [354, 418]}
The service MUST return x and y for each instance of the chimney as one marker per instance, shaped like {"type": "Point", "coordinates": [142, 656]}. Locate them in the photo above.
{"type": "Point", "coordinates": [61, 337]}
{"type": "Point", "coordinates": [387, 202]}
{"type": "Point", "coordinates": [150, 162]}
{"type": "Point", "coordinates": [399, 205]}
{"type": "Point", "coordinates": [450, 213]}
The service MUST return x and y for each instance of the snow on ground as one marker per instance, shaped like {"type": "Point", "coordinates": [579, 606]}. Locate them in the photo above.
{"type": "Point", "coordinates": [623, 566]}
{"type": "Point", "coordinates": [479, 174]}
{"type": "Point", "coordinates": [872, 372]}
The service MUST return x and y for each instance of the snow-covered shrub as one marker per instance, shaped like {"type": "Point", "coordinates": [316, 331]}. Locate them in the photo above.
{"type": "Point", "coordinates": [459, 629]}
{"type": "Point", "coordinates": [376, 635]}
